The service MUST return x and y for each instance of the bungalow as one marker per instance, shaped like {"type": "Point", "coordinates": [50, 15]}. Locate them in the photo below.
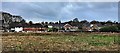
{"type": "Point", "coordinates": [69, 27]}
{"type": "Point", "coordinates": [28, 28]}
{"type": "Point", "coordinates": [91, 27]}
{"type": "Point", "coordinates": [63, 27]}
{"type": "Point", "coordinates": [86, 27]}
{"type": "Point", "coordinates": [59, 27]}
{"type": "Point", "coordinates": [34, 28]}
{"type": "Point", "coordinates": [56, 25]}
{"type": "Point", "coordinates": [16, 28]}
{"type": "Point", "coordinates": [94, 27]}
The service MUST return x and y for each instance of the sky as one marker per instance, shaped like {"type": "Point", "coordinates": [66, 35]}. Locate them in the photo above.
{"type": "Point", "coordinates": [59, 0]}
{"type": "Point", "coordinates": [64, 11]}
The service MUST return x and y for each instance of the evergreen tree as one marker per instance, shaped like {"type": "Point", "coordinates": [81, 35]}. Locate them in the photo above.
{"type": "Point", "coordinates": [75, 20]}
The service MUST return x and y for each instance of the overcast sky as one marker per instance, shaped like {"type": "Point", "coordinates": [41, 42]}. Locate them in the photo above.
{"type": "Point", "coordinates": [64, 11]}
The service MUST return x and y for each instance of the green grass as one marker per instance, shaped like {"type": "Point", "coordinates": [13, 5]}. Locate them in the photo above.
{"type": "Point", "coordinates": [60, 41]}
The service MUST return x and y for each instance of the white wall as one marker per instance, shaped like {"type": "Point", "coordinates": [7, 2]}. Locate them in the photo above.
{"type": "Point", "coordinates": [18, 29]}
{"type": "Point", "coordinates": [50, 26]}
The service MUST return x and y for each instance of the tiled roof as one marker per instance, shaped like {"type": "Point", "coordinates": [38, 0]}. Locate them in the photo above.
{"type": "Point", "coordinates": [33, 25]}
{"type": "Point", "coordinates": [57, 25]}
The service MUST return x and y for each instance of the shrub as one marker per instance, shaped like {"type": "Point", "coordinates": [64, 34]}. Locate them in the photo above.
{"type": "Point", "coordinates": [109, 29]}
{"type": "Point", "coordinates": [119, 28]}
{"type": "Point", "coordinates": [53, 29]}
{"type": "Point", "coordinates": [50, 29]}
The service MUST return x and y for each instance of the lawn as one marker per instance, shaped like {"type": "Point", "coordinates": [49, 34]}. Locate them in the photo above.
{"type": "Point", "coordinates": [60, 41]}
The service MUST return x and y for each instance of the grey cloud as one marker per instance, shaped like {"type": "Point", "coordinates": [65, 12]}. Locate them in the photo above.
{"type": "Point", "coordinates": [52, 11]}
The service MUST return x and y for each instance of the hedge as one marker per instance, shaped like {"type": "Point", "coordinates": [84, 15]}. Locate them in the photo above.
{"type": "Point", "coordinates": [110, 29]}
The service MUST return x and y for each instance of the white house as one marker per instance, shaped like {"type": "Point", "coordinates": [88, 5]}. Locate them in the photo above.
{"type": "Point", "coordinates": [17, 29]}
{"type": "Point", "coordinates": [50, 26]}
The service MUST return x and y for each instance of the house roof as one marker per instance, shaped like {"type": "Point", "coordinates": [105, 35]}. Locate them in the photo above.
{"type": "Point", "coordinates": [33, 25]}
{"type": "Point", "coordinates": [99, 25]}
{"type": "Point", "coordinates": [76, 24]}
{"type": "Point", "coordinates": [86, 24]}
{"type": "Point", "coordinates": [67, 25]}
{"type": "Point", "coordinates": [57, 25]}
{"type": "Point", "coordinates": [26, 25]}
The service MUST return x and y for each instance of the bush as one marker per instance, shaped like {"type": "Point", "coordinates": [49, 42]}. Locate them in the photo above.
{"type": "Point", "coordinates": [109, 29]}
{"type": "Point", "coordinates": [52, 29]}
{"type": "Point", "coordinates": [55, 29]}
{"type": "Point", "coordinates": [119, 28]}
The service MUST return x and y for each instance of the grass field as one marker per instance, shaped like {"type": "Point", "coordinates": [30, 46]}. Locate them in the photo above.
{"type": "Point", "coordinates": [60, 41]}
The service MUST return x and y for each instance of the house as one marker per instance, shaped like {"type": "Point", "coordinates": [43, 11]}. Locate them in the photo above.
{"type": "Point", "coordinates": [69, 27]}
{"type": "Point", "coordinates": [27, 28]}
{"type": "Point", "coordinates": [91, 27]}
{"type": "Point", "coordinates": [60, 25]}
{"type": "Point", "coordinates": [16, 27]}
{"type": "Point", "coordinates": [94, 27]}
{"type": "Point", "coordinates": [99, 25]}
{"type": "Point", "coordinates": [50, 26]}
{"type": "Point", "coordinates": [34, 28]}
{"type": "Point", "coordinates": [74, 28]}
{"type": "Point", "coordinates": [86, 27]}
{"type": "Point", "coordinates": [56, 27]}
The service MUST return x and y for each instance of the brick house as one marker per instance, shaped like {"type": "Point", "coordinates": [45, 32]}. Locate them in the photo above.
{"type": "Point", "coordinates": [69, 27]}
